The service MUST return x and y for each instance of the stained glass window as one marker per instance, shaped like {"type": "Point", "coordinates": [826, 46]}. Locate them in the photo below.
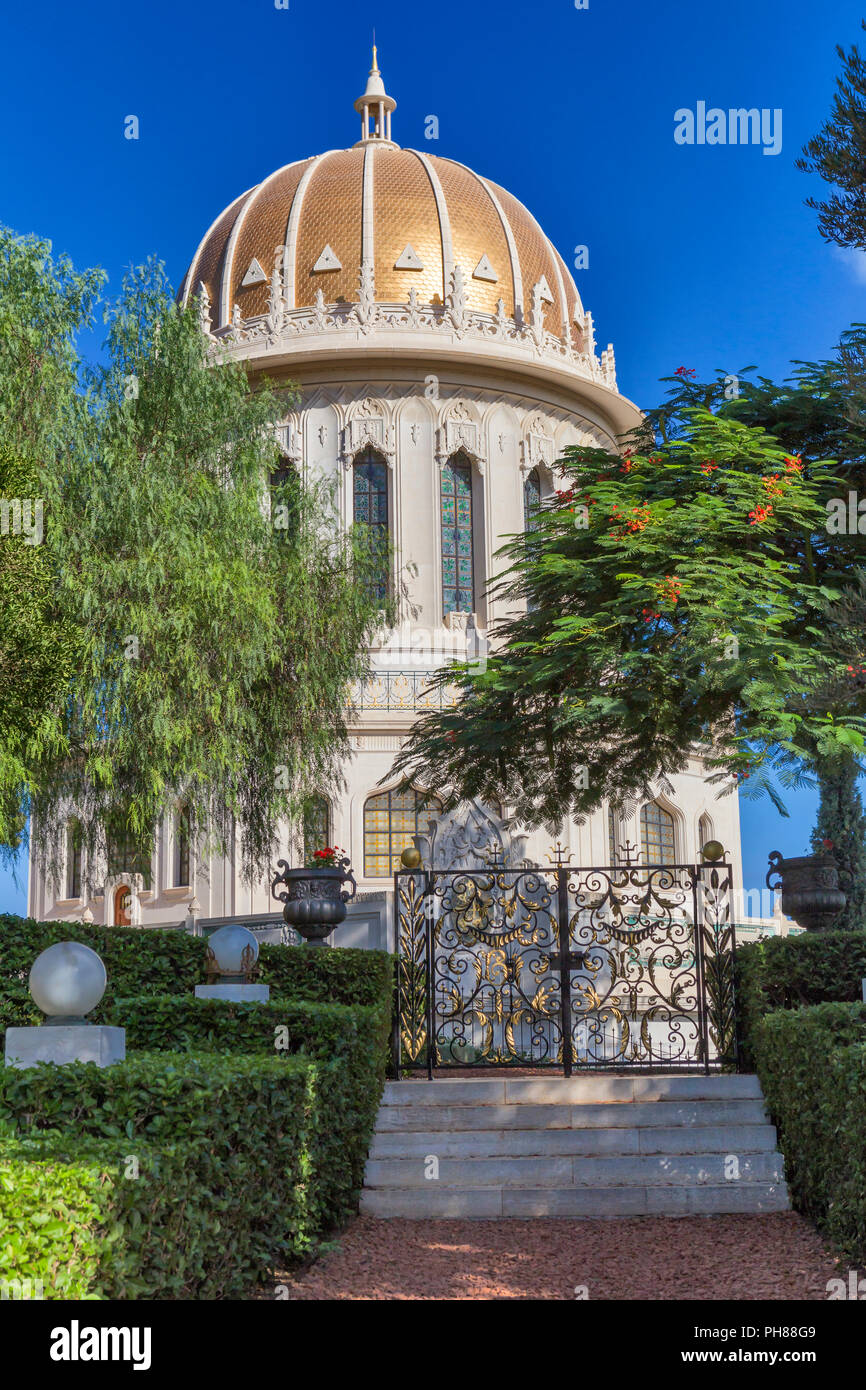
{"type": "Point", "coordinates": [317, 826]}
{"type": "Point", "coordinates": [611, 835]}
{"type": "Point", "coordinates": [181, 848]}
{"type": "Point", "coordinates": [370, 509]}
{"type": "Point", "coordinates": [390, 821]}
{"type": "Point", "coordinates": [458, 576]}
{"type": "Point", "coordinates": [73, 859]}
{"type": "Point", "coordinates": [656, 834]}
{"type": "Point", "coordinates": [531, 499]}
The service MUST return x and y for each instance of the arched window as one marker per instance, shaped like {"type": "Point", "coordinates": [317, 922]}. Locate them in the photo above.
{"type": "Point", "coordinates": [705, 831]}
{"type": "Point", "coordinates": [458, 567]}
{"type": "Point", "coordinates": [126, 854]}
{"type": "Point", "coordinates": [285, 497]}
{"type": "Point", "coordinates": [182, 877]}
{"type": "Point", "coordinates": [531, 499]}
{"type": "Point", "coordinates": [317, 825]}
{"type": "Point", "coordinates": [390, 821]}
{"type": "Point", "coordinates": [370, 509]}
{"type": "Point", "coordinates": [656, 834]}
{"type": "Point", "coordinates": [73, 859]}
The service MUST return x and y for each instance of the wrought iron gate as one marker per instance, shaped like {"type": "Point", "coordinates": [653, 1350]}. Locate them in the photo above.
{"type": "Point", "coordinates": [570, 968]}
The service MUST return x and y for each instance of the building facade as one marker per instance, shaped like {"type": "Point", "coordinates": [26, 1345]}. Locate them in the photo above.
{"type": "Point", "coordinates": [444, 361]}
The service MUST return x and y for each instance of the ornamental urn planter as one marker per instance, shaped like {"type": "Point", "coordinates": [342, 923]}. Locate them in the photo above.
{"type": "Point", "coordinates": [810, 889]}
{"type": "Point", "coordinates": [315, 899]}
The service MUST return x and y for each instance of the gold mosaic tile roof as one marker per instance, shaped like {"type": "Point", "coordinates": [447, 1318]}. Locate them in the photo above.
{"type": "Point", "coordinates": [444, 212]}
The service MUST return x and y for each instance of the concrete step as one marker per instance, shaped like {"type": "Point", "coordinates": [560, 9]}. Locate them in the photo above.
{"type": "Point", "coordinates": [610, 1171]}
{"type": "Point", "coordinates": [575, 1090]}
{"type": "Point", "coordinates": [589, 1146]}
{"type": "Point", "coordinates": [704, 1199]}
{"type": "Point", "coordinates": [524, 1143]}
{"type": "Point", "coordinates": [490, 1115]}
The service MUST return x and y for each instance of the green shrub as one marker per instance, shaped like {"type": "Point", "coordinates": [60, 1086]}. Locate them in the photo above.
{"type": "Point", "coordinates": [786, 972]}
{"type": "Point", "coordinates": [136, 961]}
{"type": "Point", "coordinates": [206, 1166]}
{"type": "Point", "coordinates": [158, 962]}
{"type": "Point", "coordinates": [328, 976]}
{"type": "Point", "coordinates": [171, 1023]}
{"type": "Point", "coordinates": [812, 1066]}
{"type": "Point", "coordinates": [354, 1040]}
{"type": "Point", "coordinates": [247, 1154]}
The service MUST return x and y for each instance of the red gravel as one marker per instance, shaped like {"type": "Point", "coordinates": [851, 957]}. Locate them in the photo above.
{"type": "Point", "coordinates": [777, 1256]}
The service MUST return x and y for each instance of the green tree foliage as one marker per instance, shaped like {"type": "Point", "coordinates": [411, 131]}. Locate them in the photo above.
{"type": "Point", "coordinates": [669, 598]}
{"type": "Point", "coordinates": [38, 645]}
{"type": "Point", "coordinates": [218, 628]}
{"type": "Point", "coordinates": [838, 154]}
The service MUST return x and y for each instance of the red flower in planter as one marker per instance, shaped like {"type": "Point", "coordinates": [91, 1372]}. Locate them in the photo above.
{"type": "Point", "coordinates": [327, 858]}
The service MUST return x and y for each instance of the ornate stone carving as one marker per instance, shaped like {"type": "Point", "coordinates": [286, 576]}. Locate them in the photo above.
{"type": "Point", "coordinates": [470, 837]}
{"type": "Point", "coordinates": [538, 447]}
{"type": "Point", "coordinates": [204, 310]}
{"type": "Point", "coordinates": [366, 310]}
{"type": "Point", "coordinates": [536, 316]}
{"type": "Point", "coordinates": [453, 318]}
{"type": "Point", "coordinates": [365, 427]}
{"type": "Point", "coordinates": [459, 430]}
{"type": "Point", "coordinates": [455, 303]}
{"type": "Point", "coordinates": [291, 439]}
{"type": "Point", "coordinates": [276, 315]}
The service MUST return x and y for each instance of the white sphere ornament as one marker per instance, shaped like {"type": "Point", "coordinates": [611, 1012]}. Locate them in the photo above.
{"type": "Point", "coordinates": [232, 951]}
{"type": "Point", "coordinates": [67, 980]}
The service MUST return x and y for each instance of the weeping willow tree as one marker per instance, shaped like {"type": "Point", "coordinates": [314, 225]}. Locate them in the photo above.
{"type": "Point", "coordinates": [216, 623]}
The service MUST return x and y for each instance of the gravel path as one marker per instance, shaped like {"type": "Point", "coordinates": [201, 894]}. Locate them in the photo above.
{"type": "Point", "coordinates": [777, 1256]}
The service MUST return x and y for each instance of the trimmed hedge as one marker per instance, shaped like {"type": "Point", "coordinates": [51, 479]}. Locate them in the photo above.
{"type": "Point", "coordinates": [354, 1040]}
{"type": "Point", "coordinates": [149, 961]}
{"type": "Point", "coordinates": [812, 1066]}
{"type": "Point", "coordinates": [247, 1152]}
{"type": "Point", "coordinates": [189, 1176]}
{"type": "Point", "coordinates": [787, 972]}
{"type": "Point", "coordinates": [135, 960]}
{"type": "Point", "coordinates": [336, 975]}
{"type": "Point", "coordinates": [171, 1024]}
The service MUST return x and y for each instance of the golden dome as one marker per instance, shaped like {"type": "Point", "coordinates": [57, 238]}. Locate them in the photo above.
{"type": "Point", "coordinates": [416, 215]}
{"type": "Point", "coordinates": [413, 218]}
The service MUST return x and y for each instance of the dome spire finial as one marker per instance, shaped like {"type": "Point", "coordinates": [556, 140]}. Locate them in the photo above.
{"type": "Point", "coordinates": [375, 107]}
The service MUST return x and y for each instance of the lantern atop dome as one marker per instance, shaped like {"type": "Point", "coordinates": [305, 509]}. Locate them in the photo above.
{"type": "Point", "coordinates": [375, 108]}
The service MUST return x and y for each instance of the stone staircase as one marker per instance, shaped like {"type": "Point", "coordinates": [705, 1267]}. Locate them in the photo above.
{"type": "Point", "coordinates": [589, 1146]}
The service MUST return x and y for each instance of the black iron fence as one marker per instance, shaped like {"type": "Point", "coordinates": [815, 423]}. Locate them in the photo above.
{"type": "Point", "coordinates": [628, 966]}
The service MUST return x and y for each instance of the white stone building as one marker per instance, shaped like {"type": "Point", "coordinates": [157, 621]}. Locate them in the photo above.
{"type": "Point", "coordinates": [444, 359]}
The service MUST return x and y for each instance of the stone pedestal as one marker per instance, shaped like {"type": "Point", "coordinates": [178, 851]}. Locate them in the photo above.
{"type": "Point", "coordinates": [235, 994]}
{"type": "Point", "coordinates": [65, 1042]}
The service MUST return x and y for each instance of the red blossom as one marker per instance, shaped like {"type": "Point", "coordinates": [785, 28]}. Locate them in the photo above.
{"type": "Point", "coordinates": [761, 513]}
{"type": "Point", "coordinates": [685, 371]}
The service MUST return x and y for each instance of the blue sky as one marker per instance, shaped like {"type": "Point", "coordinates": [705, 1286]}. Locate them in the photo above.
{"type": "Point", "coordinates": [703, 256]}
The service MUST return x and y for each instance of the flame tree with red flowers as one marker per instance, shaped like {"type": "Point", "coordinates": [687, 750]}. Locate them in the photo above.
{"type": "Point", "coordinates": [673, 597]}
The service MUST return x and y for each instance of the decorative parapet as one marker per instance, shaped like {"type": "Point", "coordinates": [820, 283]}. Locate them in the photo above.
{"type": "Point", "coordinates": [281, 328]}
